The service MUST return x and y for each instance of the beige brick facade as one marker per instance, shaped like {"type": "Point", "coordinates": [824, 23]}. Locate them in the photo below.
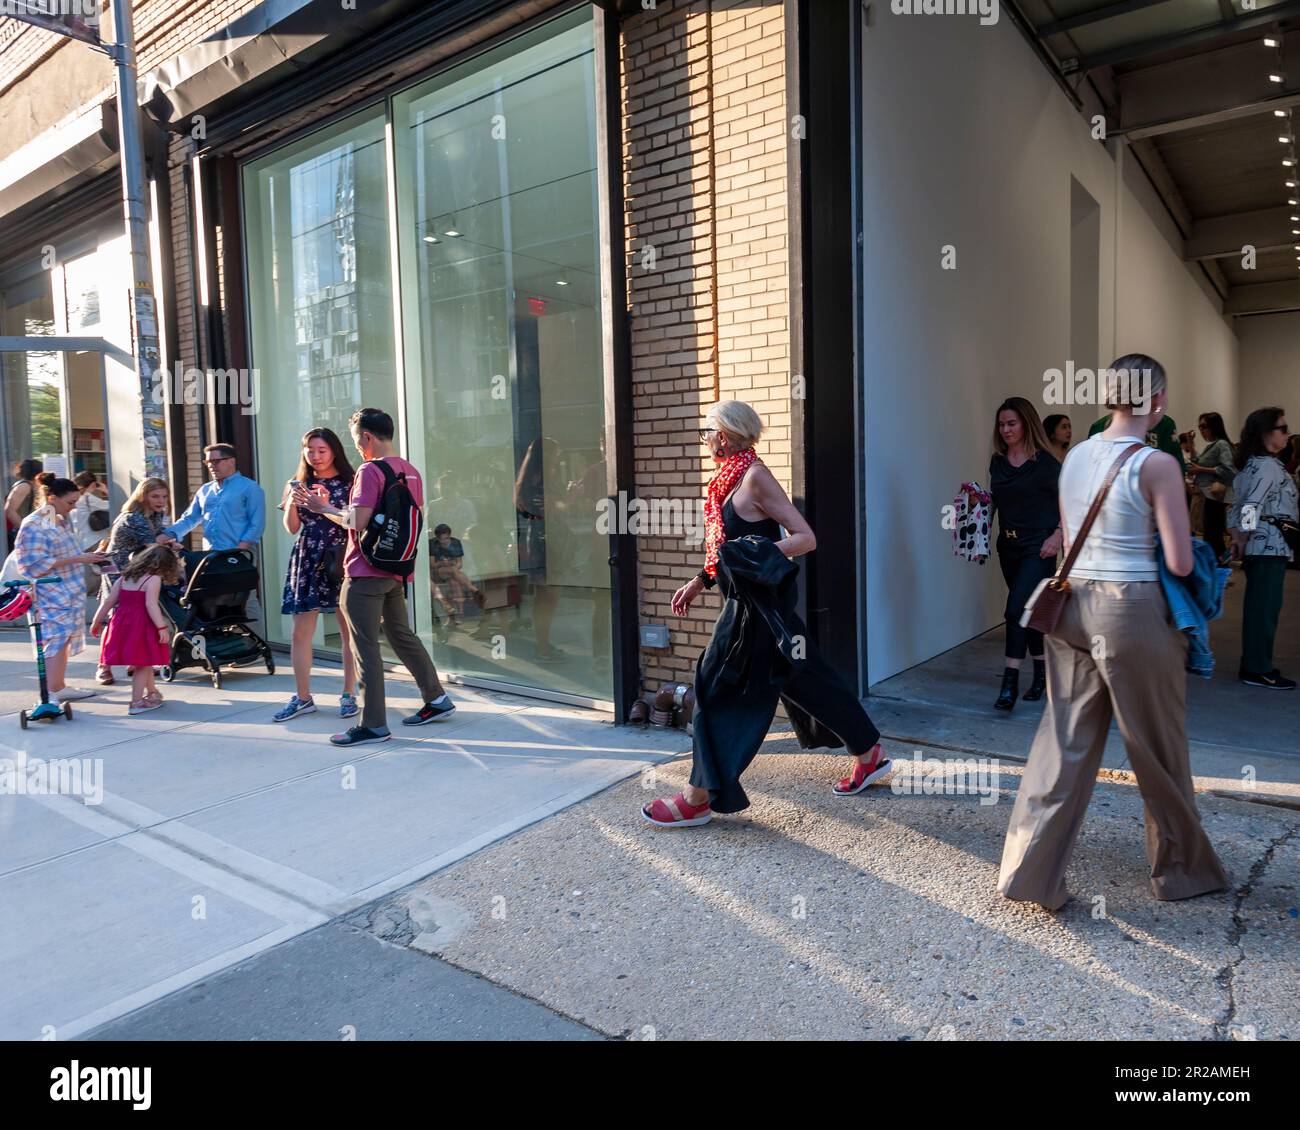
{"type": "Point", "coordinates": [704, 138]}
{"type": "Point", "coordinates": [704, 170]}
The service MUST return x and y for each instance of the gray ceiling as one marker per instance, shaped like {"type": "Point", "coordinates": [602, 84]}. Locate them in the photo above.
{"type": "Point", "coordinates": [1187, 84]}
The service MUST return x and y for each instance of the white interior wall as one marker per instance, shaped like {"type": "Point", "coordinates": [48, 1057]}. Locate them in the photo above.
{"type": "Point", "coordinates": [1270, 364]}
{"type": "Point", "coordinates": [967, 141]}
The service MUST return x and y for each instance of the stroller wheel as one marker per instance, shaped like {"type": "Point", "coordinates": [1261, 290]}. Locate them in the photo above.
{"type": "Point", "coordinates": [169, 674]}
{"type": "Point", "coordinates": [270, 665]}
{"type": "Point", "coordinates": [67, 711]}
{"type": "Point", "coordinates": [216, 679]}
{"type": "Point", "coordinates": [22, 719]}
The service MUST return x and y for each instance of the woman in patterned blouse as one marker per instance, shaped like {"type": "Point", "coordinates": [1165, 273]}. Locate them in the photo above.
{"type": "Point", "coordinates": [137, 527]}
{"type": "Point", "coordinates": [1265, 496]}
{"type": "Point", "coordinates": [45, 547]}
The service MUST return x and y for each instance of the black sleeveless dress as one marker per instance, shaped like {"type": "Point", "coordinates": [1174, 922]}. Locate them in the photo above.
{"type": "Point", "coordinates": [732, 719]}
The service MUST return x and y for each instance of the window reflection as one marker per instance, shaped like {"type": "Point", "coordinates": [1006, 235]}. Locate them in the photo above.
{"type": "Point", "coordinates": [497, 199]}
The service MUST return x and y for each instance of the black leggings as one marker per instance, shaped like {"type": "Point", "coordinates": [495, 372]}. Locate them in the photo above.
{"type": "Point", "coordinates": [1022, 569]}
{"type": "Point", "coordinates": [1214, 517]}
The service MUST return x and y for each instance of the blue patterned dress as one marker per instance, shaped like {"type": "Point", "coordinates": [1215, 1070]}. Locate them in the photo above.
{"type": "Point", "coordinates": [308, 584]}
{"type": "Point", "coordinates": [44, 538]}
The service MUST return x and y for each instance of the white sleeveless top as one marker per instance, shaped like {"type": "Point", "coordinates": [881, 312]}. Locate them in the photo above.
{"type": "Point", "coordinates": [1121, 546]}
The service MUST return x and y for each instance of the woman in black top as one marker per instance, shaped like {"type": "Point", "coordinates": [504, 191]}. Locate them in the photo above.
{"type": "Point", "coordinates": [1023, 478]}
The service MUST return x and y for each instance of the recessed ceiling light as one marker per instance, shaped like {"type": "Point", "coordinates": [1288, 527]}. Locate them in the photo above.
{"type": "Point", "coordinates": [563, 282]}
{"type": "Point", "coordinates": [1269, 41]}
{"type": "Point", "coordinates": [452, 232]}
{"type": "Point", "coordinates": [1276, 78]}
{"type": "Point", "coordinates": [1284, 139]}
{"type": "Point", "coordinates": [1279, 113]}
{"type": "Point", "coordinates": [431, 239]}
{"type": "Point", "coordinates": [1288, 162]}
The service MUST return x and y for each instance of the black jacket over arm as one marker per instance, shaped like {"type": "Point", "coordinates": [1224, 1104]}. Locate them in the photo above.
{"type": "Point", "coordinates": [760, 654]}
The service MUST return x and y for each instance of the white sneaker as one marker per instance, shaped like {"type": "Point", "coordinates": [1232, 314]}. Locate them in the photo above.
{"type": "Point", "coordinates": [74, 694]}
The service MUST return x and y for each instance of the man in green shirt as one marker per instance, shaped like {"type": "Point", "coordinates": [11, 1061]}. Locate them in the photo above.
{"type": "Point", "coordinates": [1164, 436]}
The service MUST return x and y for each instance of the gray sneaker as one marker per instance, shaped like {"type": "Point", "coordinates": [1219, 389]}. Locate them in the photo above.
{"type": "Point", "coordinates": [294, 707]}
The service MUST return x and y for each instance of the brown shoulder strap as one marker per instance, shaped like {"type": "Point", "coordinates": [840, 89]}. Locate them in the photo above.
{"type": "Point", "coordinates": [1095, 508]}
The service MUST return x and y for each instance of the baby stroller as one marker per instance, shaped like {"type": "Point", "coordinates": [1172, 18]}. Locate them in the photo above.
{"type": "Point", "coordinates": [211, 625]}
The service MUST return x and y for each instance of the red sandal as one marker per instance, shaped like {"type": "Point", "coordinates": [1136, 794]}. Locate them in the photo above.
{"type": "Point", "coordinates": [676, 813]}
{"type": "Point", "coordinates": [864, 775]}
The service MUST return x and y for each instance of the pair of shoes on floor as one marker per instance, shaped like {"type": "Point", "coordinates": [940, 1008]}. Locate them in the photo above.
{"type": "Point", "coordinates": [438, 710]}
{"type": "Point", "coordinates": [348, 707]}
{"type": "Point", "coordinates": [1010, 691]}
{"type": "Point", "coordinates": [151, 701]}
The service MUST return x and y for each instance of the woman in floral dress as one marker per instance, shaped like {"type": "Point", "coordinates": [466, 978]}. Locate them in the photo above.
{"type": "Point", "coordinates": [315, 573]}
{"type": "Point", "coordinates": [46, 547]}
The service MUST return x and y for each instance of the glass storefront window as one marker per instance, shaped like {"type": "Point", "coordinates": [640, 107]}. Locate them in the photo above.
{"type": "Point", "coordinates": [320, 300]}
{"type": "Point", "coordinates": [498, 280]}
{"type": "Point", "coordinates": [499, 248]}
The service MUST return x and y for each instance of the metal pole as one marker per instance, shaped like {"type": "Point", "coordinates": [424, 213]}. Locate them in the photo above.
{"type": "Point", "coordinates": [144, 317]}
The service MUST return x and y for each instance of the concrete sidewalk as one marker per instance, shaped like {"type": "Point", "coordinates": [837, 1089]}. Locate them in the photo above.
{"type": "Point", "coordinates": [812, 916]}
{"type": "Point", "coordinates": [220, 834]}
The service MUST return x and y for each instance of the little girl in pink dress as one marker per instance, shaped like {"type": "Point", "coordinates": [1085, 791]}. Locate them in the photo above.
{"type": "Point", "coordinates": [139, 632]}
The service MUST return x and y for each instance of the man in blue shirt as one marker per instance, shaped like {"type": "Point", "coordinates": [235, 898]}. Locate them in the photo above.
{"type": "Point", "coordinates": [231, 508]}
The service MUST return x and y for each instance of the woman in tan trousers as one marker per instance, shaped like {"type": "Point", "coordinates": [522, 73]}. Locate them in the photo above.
{"type": "Point", "coordinates": [1115, 653]}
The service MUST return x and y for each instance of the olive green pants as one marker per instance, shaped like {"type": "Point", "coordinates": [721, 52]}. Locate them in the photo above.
{"type": "Point", "coordinates": [372, 605]}
{"type": "Point", "coordinates": [1260, 609]}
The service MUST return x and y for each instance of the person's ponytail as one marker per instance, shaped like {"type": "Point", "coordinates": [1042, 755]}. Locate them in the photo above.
{"type": "Point", "coordinates": [48, 483]}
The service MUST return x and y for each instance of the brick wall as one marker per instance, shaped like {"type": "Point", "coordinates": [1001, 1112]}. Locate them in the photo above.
{"type": "Point", "coordinates": [704, 137]}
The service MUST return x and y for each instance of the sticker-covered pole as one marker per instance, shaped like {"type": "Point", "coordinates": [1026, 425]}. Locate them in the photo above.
{"type": "Point", "coordinates": [144, 311]}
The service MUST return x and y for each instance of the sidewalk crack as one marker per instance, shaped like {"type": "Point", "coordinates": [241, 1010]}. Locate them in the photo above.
{"type": "Point", "coordinates": [1226, 976]}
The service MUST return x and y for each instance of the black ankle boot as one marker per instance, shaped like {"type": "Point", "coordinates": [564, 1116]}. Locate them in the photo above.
{"type": "Point", "coordinates": [1010, 689]}
{"type": "Point", "coordinates": [1039, 685]}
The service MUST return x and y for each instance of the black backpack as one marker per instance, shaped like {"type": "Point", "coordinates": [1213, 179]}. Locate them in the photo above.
{"type": "Point", "coordinates": [392, 536]}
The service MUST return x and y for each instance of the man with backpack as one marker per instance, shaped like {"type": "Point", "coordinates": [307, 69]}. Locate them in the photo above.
{"type": "Point", "coordinates": [384, 521]}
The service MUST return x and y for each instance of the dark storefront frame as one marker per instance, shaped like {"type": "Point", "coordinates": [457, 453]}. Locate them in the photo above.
{"type": "Point", "coordinates": [823, 40]}
{"type": "Point", "coordinates": [223, 338]}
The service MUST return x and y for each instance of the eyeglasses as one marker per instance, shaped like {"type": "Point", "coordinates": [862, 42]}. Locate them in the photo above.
{"type": "Point", "coordinates": [1283, 428]}
{"type": "Point", "coordinates": [218, 459]}
{"type": "Point", "coordinates": [705, 433]}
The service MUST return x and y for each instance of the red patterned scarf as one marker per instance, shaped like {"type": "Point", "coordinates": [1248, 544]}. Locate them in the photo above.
{"type": "Point", "coordinates": [721, 485]}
